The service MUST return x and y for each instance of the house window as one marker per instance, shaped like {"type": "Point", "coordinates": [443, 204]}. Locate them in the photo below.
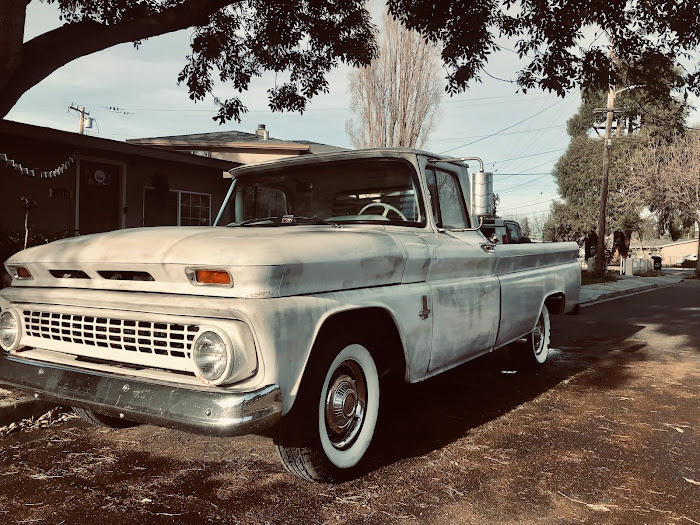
{"type": "Point", "coordinates": [176, 208]}
{"type": "Point", "coordinates": [195, 209]}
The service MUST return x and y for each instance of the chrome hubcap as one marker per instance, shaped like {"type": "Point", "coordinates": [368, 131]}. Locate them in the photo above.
{"type": "Point", "coordinates": [345, 404]}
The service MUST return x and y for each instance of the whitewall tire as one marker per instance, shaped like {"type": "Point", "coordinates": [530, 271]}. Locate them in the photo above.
{"type": "Point", "coordinates": [348, 406]}
{"type": "Point", "coordinates": [532, 352]}
{"type": "Point", "coordinates": [331, 425]}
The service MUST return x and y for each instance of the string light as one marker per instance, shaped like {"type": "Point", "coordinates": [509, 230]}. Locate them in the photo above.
{"type": "Point", "coordinates": [4, 159]}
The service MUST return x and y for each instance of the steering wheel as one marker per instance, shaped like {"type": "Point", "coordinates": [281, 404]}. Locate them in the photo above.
{"type": "Point", "coordinates": [387, 209]}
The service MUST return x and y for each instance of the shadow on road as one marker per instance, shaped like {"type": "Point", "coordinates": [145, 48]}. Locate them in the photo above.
{"type": "Point", "coordinates": [425, 417]}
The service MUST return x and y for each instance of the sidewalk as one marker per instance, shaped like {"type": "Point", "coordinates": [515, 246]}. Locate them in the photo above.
{"type": "Point", "coordinates": [15, 406]}
{"type": "Point", "coordinates": [630, 285]}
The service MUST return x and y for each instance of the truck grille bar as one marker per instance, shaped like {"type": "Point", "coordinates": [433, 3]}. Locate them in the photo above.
{"type": "Point", "coordinates": [117, 336]}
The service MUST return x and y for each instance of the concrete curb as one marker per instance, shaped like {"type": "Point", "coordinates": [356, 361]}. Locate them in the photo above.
{"type": "Point", "coordinates": [622, 293]}
{"type": "Point", "coordinates": [22, 408]}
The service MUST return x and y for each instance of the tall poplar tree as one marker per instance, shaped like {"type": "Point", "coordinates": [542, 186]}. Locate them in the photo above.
{"type": "Point", "coordinates": [395, 100]}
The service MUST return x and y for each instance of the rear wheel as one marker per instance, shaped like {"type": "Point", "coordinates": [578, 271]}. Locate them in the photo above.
{"type": "Point", "coordinates": [101, 420]}
{"type": "Point", "coordinates": [532, 352]}
{"type": "Point", "coordinates": [330, 427]}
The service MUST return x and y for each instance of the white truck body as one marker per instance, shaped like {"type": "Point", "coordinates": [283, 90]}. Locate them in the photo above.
{"type": "Point", "coordinates": [107, 322]}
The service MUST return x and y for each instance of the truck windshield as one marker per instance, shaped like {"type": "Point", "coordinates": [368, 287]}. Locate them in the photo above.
{"type": "Point", "coordinates": [354, 191]}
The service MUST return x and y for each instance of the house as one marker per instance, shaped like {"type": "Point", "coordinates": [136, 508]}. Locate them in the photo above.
{"type": "Point", "coordinates": [236, 146]}
{"type": "Point", "coordinates": [64, 183]}
{"type": "Point", "coordinates": [667, 249]}
{"type": "Point", "coordinates": [672, 251]}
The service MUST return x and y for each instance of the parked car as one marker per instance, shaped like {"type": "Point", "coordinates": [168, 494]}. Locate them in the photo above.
{"type": "Point", "coordinates": [690, 258]}
{"type": "Point", "coordinates": [333, 277]}
{"type": "Point", "coordinates": [506, 231]}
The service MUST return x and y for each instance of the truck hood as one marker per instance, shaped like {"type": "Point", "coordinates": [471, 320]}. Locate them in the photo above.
{"type": "Point", "coordinates": [263, 261]}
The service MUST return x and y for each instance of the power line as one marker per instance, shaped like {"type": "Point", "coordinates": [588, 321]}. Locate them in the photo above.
{"type": "Point", "coordinates": [513, 51]}
{"type": "Point", "coordinates": [534, 167]}
{"type": "Point", "coordinates": [532, 203]}
{"type": "Point", "coordinates": [311, 108]}
{"type": "Point", "coordinates": [515, 98]}
{"type": "Point", "coordinates": [527, 156]}
{"type": "Point", "coordinates": [522, 174]}
{"type": "Point", "coordinates": [525, 146]}
{"type": "Point", "coordinates": [502, 130]}
{"type": "Point", "coordinates": [499, 79]}
{"type": "Point", "coordinates": [533, 130]}
{"type": "Point", "coordinates": [510, 189]}
{"type": "Point", "coordinates": [532, 213]}
{"type": "Point", "coordinates": [537, 199]}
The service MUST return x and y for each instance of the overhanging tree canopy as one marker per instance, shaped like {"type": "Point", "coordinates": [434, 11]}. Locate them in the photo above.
{"type": "Point", "coordinates": [559, 41]}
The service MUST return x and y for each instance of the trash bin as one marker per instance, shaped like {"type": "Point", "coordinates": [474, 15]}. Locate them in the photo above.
{"type": "Point", "coordinates": [657, 263]}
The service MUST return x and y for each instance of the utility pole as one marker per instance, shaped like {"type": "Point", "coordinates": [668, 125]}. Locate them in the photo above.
{"type": "Point", "coordinates": [600, 248]}
{"type": "Point", "coordinates": [610, 115]}
{"type": "Point", "coordinates": [81, 111]}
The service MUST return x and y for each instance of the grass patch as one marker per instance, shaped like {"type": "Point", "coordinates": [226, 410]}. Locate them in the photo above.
{"type": "Point", "coordinates": [591, 278]}
{"type": "Point", "coordinates": [651, 273]}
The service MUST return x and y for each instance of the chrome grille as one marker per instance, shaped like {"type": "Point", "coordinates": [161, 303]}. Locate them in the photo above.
{"type": "Point", "coordinates": [115, 334]}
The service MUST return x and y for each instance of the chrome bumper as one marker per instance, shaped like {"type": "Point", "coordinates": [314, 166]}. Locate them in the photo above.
{"type": "Point", "coordinates": [210, 411]}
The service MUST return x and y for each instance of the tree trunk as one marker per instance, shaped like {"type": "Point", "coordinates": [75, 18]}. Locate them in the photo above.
{"type": "Point", "coordinates": [621, 243]}
{"type": "Point", "coordinates": [697, 263]}
{"type": "Point", "coordinates": [626, 241]}
{"type": "Point", "coordinates": [46, 53]}
{"type": "Point", "coordinates": [12, 16]}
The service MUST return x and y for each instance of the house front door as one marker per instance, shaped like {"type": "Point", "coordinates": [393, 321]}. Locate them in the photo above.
{"type": "Point", "coordinates": [99, 197]}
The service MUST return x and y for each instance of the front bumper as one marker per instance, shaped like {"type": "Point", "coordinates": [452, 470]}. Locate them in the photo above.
{"type": "Point", "coordinates": [210, 411]}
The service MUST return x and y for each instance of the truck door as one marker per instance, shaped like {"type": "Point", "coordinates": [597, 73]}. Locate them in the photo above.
{"type": "Point", "coordinates": [461, 276]}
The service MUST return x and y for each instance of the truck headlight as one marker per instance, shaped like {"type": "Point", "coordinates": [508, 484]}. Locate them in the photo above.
{"type": "Point", "coordinates": [213, 356]}
{"type": "Point", "coordinates": [10, 328]}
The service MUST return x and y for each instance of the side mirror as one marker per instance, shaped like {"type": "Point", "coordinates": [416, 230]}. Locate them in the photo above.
{"type": "Point", "coordinates": [482, 194]}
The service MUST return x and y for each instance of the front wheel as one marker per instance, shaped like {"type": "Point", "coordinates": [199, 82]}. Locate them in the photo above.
{"type": "Point", "coordinates": [101, 420]}
{"type": "Point", "coordinates": [330, 427]}
{"type": "Point", "coordinates": [532, 352]}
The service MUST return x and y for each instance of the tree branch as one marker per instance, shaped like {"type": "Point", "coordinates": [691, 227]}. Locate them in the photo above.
{"type": "Point", "coordinates": [48, 52]}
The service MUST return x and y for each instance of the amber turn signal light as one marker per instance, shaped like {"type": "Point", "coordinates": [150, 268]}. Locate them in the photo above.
{"type": "Point", "coordinates": [20, 272]}
{"type": "Point", "coordinates": [212, 277]}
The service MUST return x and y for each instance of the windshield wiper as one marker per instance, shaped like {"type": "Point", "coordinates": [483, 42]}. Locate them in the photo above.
{"type": "Point", "coordinates": [283, 220]}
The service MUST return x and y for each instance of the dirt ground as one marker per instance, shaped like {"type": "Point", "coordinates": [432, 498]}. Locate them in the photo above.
{"type": "Point", "coordinates": [10, 396]}
{"type": "Point", "coordinates": [607, 432]}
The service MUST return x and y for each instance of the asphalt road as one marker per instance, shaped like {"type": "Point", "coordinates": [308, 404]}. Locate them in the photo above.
{"type": "Point", "coordinates": [607, 432]}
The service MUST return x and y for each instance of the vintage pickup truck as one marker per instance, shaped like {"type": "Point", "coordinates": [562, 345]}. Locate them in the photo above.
{"type": "Point", "coordinates": [332, 274]}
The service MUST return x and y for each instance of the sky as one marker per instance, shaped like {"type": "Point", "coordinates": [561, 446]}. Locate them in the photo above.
{"type": "Point", "coordinates": [519, 136]}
